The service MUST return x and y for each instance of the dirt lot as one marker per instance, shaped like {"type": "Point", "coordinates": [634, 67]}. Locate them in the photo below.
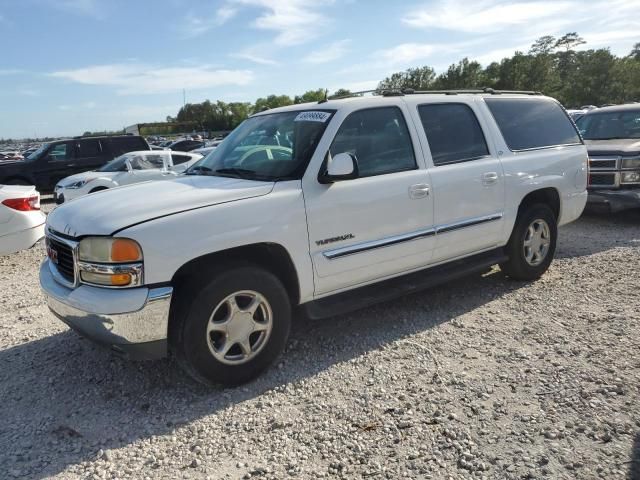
{"type": "Point", "coordinates": [483, 378]}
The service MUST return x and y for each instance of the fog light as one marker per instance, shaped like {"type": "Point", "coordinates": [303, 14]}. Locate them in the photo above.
{"type": "Point", "coordinates": [630, 177]}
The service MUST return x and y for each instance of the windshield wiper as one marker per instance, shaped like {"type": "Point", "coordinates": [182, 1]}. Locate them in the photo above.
{"type": "Point", "coordinates": [198, 170]}
{"type": "Point", "coordinates": [609, 138]}
{"type": "Point", "coordinates": [236, 172]}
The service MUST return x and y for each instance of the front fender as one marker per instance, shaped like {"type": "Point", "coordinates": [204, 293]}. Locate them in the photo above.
{"type": "Point", "coordinates": [170, 241]}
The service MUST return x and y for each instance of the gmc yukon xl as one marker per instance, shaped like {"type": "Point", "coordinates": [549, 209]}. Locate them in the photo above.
{"type": "Point", "coordinates": [315, 209]}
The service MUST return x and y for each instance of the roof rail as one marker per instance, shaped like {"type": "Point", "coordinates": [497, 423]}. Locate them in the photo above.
{"type": "Point", "coordinates": [395, 92]}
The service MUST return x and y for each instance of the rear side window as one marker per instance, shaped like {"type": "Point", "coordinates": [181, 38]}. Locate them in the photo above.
{"type": "Point", "coordinates": [379, 139]}
{"type": "Point", "coordinates": [528, 123]}
{"type": "Point", "coordinates": [453, 132]}
{"type": "Point", "coordinates": [178, 159]}
{"type": "Point", "coordinates": [89, 148]}
{"type": "Point", "coordinates": [121, 145]}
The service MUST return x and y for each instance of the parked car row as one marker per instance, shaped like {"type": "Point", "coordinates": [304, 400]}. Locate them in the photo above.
{"type": "Point", "coordinates": [132, 167]}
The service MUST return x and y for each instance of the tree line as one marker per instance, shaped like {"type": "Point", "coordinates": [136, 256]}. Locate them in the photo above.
{"type": "Point", "coordinates": [552, 66]}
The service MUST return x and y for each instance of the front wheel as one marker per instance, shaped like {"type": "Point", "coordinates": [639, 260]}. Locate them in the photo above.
{"type": "Point", "coordinates": [233, 327]}
{"type": "Point", "coordinates": [532, 243]}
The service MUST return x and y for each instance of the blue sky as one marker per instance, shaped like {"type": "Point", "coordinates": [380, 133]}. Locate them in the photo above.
{"type": "Point", "coordinates": [67, 66]}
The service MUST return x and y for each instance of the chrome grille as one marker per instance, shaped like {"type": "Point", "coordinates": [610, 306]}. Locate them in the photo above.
{"type": "Point", "coordinates": [62, 259]}
{"type": "Point", "coordinates": [602, 179]}
{"type": "Point", "coordinates": [603, 171]}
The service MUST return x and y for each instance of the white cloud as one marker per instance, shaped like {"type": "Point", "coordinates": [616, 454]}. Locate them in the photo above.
{"type": "Point", "coordinates": [89, 8]}
{"type": "Point", "coordinates": [149, 79]}
{"type": "Point", "coordinates": [29, 92]}
{"type": "Point", "coordinates": [10, 71]}
{"type": "Point", "coordinates": [252, 57]}
{"type": "Point", "coordinates": [329, 53]}
{"type": "Point", "coordinates": [485, 16]}
{"type": "Point", "coordinates": [294, 21]}
{"type": "Point", "coordinates": [197, 24]}
{"type": "Point", "coordinates": [64, 108]}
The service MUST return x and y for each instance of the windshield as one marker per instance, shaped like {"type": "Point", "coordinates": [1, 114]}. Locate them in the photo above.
{"type": "Point", "coordinates": [608, 126]}
{"type": "Point", "coordinates": [275, 146]}
{"type": "Point", "coordinates": [38, 152]}
{"type": "Point", "coordinates": [115, 165]}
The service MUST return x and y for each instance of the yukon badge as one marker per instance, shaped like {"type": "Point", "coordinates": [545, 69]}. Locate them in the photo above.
{"type": "Point", "coordinates": [346, 236]}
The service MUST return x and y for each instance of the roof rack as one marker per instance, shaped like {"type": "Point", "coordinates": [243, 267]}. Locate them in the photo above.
{"type": "Point", "coordinates": [398, 92]}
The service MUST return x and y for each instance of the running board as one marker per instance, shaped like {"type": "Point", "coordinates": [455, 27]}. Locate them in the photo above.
{"type": "Point", "coordinates": [400, 286]}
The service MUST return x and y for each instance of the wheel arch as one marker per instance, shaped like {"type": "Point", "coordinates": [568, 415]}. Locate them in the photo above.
{"type": "Point", "coordinates": [270, 256]}
{"type": "Point", "coordinates": [548, 196]}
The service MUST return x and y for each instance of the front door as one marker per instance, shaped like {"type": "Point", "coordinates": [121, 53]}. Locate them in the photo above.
{"type": "Point", "coordinates": [380, 223]}
{"type": "Point", "coordinates": [57, 163]}
{"type": "Point", "coordinates": [467, 179]}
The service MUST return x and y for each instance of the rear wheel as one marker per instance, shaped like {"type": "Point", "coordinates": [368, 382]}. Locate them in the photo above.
{"type": "Point", "coordinates": [532, 243]}
{"type": "Point", "coordinates": [233, 327]}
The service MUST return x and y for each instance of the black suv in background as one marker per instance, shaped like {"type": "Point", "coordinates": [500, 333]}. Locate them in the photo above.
{"type": "Point", "coordinates": [186, 145]}
{"type": "Point", "coordinates": [612, 137]}
{"type": "Point", "coordinates": [56, 160]}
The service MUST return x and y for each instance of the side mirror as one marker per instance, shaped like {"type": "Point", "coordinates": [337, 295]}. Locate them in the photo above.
{"type": "Point", "coordinates": [344, 166]}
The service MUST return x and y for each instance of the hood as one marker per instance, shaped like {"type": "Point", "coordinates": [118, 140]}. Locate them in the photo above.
{"type": "Point", "coordinates": [618, 146]}
{"type": "Point", "coordinates": [85, 176]}
{"type": "Point", "coordinates": [10, 161]}
{"type": "Point", "coordinates": [107, 212]}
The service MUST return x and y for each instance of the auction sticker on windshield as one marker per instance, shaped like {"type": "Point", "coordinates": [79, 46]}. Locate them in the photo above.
{"type": "Point", "coordinates": [313, 117]}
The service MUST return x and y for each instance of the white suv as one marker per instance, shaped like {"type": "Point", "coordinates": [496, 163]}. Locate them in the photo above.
{"type": "Point", "coordinates": [329, 207]}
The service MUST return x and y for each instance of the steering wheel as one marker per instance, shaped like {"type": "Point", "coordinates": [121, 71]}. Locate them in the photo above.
{"type": "Point", "coordinates": [268, 148]}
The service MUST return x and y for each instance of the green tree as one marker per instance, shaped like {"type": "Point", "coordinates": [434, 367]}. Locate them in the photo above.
{"type": "Point", "coordinates": [341, 92]}
{"type": "Point", "coordinates": [272, 101]}
{"type": "Point", "coordinates": [420, 78]}
{"type": "Point", "coordinates": [311, 96]}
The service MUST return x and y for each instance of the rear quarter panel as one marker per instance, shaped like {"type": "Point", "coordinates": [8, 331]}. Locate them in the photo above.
{"type": "Point", "coordinates": [561, 167]}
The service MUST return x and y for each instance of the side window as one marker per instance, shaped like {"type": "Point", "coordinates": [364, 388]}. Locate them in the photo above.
{"type": "Point", "coordinates": [528, 123]}
{"type": "Point", "coordinates": [453, 133]}
{"type": "Point", "coordinates": [89, 148]}
{"type": "Point", "coordinates": [61, 152]}
{"type": "Point", "coordinates": [378, 138]}
{"type": "Point", "coordinates": [122, 145]}
{"type": "Point", "coordinates": [178, 159]}
{"type": "Point", "coordinates": [154, 161]}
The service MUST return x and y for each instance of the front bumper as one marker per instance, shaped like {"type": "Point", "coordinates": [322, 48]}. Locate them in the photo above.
{"type": "Point", "coordinates": [133, 322]}
{"type": "Point", "coordinates": [614, 200]}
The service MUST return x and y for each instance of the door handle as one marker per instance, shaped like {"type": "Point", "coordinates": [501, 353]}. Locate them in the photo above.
{"type": "Point", "coordinates": [420, 190]}
{"type": "Point", "coordinates": [489, 178]}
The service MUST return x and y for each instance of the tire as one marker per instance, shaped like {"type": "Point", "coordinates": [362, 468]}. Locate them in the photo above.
{"type": "Point", "coordinates": [524, 263]}
{"type": "Point", "coordinates": [204, 308]}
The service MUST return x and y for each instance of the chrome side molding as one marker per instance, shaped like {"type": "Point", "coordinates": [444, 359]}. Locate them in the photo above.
{"type": "Point", "coordinates": [407, 237]}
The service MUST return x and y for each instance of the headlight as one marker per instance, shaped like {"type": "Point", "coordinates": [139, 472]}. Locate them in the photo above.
{"type": "Point", "coordinates": [630, 177]}
{"type": "Point", "coordinates": [112, 262]}
{"type": "Point", "coordinates": [109, 250]}
{"type": "Point", "coordinates": [78, 184]}
{"type": "Point", "coordinates": [631, 162]}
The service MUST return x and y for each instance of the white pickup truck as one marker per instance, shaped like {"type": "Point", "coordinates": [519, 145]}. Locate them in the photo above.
{"type": "Point", "coordinates": [315, 209]}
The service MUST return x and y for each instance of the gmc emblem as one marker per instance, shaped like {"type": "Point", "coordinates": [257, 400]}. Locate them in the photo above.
{"type": "Point", "coordinates": [52, 253]}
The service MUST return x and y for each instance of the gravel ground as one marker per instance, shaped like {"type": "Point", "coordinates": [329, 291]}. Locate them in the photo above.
{"type": "Point", "coordinates": [484, 378]}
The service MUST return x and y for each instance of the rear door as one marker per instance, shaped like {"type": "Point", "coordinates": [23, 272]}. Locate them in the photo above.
{"type": "Point", "coordinates": [466, 176]}
{"type": "Point", "coordinates": [90, 155]}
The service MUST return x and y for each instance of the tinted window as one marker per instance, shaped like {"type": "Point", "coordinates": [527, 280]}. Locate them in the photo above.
{"type": "Point", "coordinates": [122, 145]}
{"type": "Point", "coordinates": [532, 122]}
{"type": "Point", "coordinates": [178, 159]}
{"type": "Point", "coordinates": [146, 162]}
{"type": "Point", "coordinates": [89, 148]}
{"type": "Point", "coordinates": [61, 152]}
{"type": "Point", "coordinates": [453, 132]}
{"type": "Point", "coordinates": [378, 138]}
{"type": "Point", "coordinates": [610, 125]}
